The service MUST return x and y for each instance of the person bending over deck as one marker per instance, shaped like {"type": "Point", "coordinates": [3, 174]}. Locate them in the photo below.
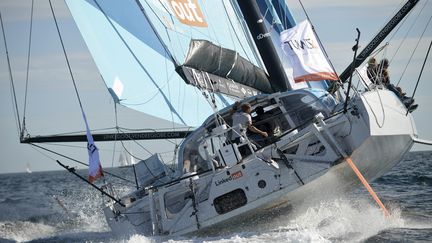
{"type": "Point", "coordinates": [242, 119]}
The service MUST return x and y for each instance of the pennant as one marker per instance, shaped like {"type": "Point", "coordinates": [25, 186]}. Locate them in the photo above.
{"type": "Point", "coordinates": [303, 50]}
{"type": "Point", "coordinates": [95, 167]}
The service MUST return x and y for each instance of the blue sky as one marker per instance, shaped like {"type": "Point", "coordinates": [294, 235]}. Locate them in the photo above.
{"type": "Point", "coordinates": [52, 103]}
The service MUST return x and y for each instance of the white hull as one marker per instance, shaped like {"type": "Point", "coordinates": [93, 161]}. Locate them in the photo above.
{"type": "Point", "coordinates": [374, 144]}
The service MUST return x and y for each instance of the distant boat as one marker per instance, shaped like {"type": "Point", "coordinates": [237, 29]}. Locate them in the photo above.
{"type": "Point", "coordinates": [126, 159]}
{"type": "Point", "coordinates": [28, 168]}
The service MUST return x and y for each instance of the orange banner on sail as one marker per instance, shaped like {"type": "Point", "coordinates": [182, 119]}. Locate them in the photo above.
{"type": "Point", "coordinates": [316, 77]}
{"type": "Point", "coordinates": [188, 12]}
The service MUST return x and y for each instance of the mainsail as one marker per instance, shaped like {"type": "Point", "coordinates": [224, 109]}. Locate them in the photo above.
{"type": "Point", "coordinates": [139, 44]}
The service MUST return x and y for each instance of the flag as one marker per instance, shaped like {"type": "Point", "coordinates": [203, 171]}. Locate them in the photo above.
{"type": "Point", "coordinates": [95, 167]}
{"type": "Point", "coordinates": [303, 50]}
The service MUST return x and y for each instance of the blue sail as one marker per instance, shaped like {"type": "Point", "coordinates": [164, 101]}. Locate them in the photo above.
{"type": "Point", "coordinates": [137, 44]}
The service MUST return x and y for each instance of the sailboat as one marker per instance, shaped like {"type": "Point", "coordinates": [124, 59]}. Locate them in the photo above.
{"type": "Point", "coordinates": [169, 58]}
{"type": "Point", "coordinates": [126, 159]}
{"type": "Point", "coordinates": [28, 170]}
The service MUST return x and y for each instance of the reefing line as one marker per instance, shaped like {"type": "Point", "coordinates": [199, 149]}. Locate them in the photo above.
{"type": "Point", "coordinates": [367, 186]}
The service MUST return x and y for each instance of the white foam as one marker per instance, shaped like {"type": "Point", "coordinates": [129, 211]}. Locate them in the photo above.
{"type": "Point", "coordinates": [345, 219]}
{"type": "Point", "coordinates": [140, 239]}
{"type": "Point", "coordinates": [24, 231]}
{"type": "Point", "coordinates": [340, 219]}
{"type": "Point", "coordinates": [274, 237]}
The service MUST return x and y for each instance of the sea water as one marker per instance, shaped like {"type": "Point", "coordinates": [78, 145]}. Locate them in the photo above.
{"type": "Point", "coordinates": [58, 207]}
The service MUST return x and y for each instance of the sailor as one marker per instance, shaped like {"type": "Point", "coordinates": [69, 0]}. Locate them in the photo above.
{"type": "Point", "coordinates": [242, 119]}
{"type": "Point", "coordinates": [372, 69]}
{"type": "Point", "coordinates": [385, 80]}
{"type": "Point", "coordinates": [263, 122]}
{"type": "Point", "coordinates": [382, 72]}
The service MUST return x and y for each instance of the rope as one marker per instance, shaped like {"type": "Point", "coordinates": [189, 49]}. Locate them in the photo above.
{"type": "Point", "coordinates": [412, 54]}
{"type": "Point", "coordinates": [115, 136]}
{"type": "Point", "coordinates": [373, 112]}
{"type": "Point", "coordinates": [154, 29]}
{"type": "Point", "coordinates": [79, 162]}
{"type": "Point", "coordinates": [137, 60]}
{"type": "Point", "coordinates": [17, 117]}
{"type": "Point", "coordinates": [409, 30]}
{"type": "Point", "coordinates": [400, 25]}
{"type": "Point", "coordinates": [28, 63]}
{"type": "Point", "coordinates": [66, 57]}
{"type": "Point", "coordinates": [421, 72]}
{"type": "Point", "coordinates": [319, 42]}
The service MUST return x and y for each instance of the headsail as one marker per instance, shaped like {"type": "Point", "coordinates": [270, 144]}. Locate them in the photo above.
{"type": "Point", "coordinates": [140, 43]}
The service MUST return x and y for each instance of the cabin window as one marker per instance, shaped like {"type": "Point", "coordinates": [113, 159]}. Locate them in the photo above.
{"type": "Point", "coordinates": [194, 155]}
{"type": "Point", "coordinates": [273, 120]}
{"type": "Point", "coordinates": [302, 107]}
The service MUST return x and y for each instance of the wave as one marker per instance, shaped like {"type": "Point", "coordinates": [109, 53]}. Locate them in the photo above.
{"type": "Point", "coordinates": [340, 220]}
{"type": "Point", "coordinates": [24, 231]}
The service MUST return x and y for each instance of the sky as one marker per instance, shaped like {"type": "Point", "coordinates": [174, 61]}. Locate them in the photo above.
{"type": "Point", "coordinates": [52, 104]}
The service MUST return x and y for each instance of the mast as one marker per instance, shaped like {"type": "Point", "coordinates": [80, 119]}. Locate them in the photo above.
{"type": "Point", "coordinates": [262, 39]}
{"type": "Point", "coordinates": [378, 38]}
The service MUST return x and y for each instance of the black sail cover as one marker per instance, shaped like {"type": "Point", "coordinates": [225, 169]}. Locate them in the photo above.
{"type": "Point", "coordinates": [222, 70]}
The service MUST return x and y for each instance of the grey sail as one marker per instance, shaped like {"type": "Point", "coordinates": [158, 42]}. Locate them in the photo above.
{"type": "Point", "coordinates": [205, 56]}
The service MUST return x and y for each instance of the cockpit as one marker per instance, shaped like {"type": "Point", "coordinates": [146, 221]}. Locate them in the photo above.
{"type": "Point", "coordinates": [278, 114]}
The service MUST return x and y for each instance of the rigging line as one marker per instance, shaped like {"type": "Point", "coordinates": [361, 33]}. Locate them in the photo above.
{"type": "Point", "coordinates": [421, 72]}
{"type": "Point", "coordinates": [395, 10]}
{"type": "Point", "coordinates": [143, 161]}
{"type": "Point", "coordinates": [230, 33]}
{"type": "Point", "coordinates": [154, 29]}
{"type": "Point", "coordinates": [168, 103]}
{"type": "Point", "coordinates": [66, 57]}
{"type": "Point", "coordinates": [133, 166]}
{"type": "Point", "coordinates": [77, 146]}
{"type": "Point", "coordinates": [235, 33]}
{"type": "Point", "coordinates": [115, 136]}
{"type": "Point", "coordinates": [211, 27]}
{"type": "Point", "coordinates": [169, 94]}
{"type": "Point", "coordinates": [249, 38]}
{"type": "Point", "coordinates": [377, 51]}
{"type": "Point", "coordinates": [153, 96]}
{"type": "Point", "coordinates": [304, 10]}
{"type": "Point", "coordinates": [412, 54]}
{"type": "Point", "coordinates": [11, 80]}
{"type": "Point", "coordinates": [320, 42]}
{"type": "Point", "coordinates": [80, 132]}
{"type": "Point", "coordinates": [79, 162]}
{"type": "Point", "coordinates": [148, 151]}
{"type": "Point", "coordinates": [28, 64]}
{"type": "Point", "coordinates": [156, 129]}
{"type": "Point", "coordinates": [399, 26]}
{"type": "Point", "coordinates": [409, 30]}
{"type": "Point", "coordinates": [285, 19]}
